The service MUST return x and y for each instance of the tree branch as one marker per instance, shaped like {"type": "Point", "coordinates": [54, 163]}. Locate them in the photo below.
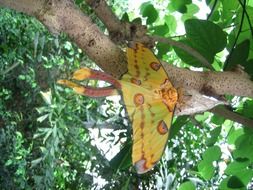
{"type": "Point", "coordinates": [226, 113]}
{"type": "Point", "coordinates": [186, 48]}
{"type": "Point", "coordinates": [236, 39]}
{"type": "Point", "coordinates": [218, 83]}
{"type": "Point", "coordinates": [247, 15]}
{"type": "Point", "coordinates": [211, 83]}
{"type": "Point", "coordinates": [64, 16]}
{"type": "Point", "coordinates": [104, 125]}
{"type": "Point", "coordinates": [105, 14]}
{"type": "Point", "coordinates": [212, 10]}
{"type": "Point", "coordinates": [124, 31]}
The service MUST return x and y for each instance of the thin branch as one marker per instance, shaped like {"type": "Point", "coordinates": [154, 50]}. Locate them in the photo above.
{"type": "Point", "coordinates": [226, 113]}
{"type": "Point", "coordinates": [10, 68]}
{"type": "Point", "coordinates": [186, 48]}
{"type": "Point", "coordinates": [105, 14]}
{"type": "Point", "coordinates": [237, 37]}
{"type": "Point", "coordinates": [104, 125]}
{"type": "Point", "coordinates": [137, 33]}
{"type": "Point", "coordinates": [247, 15]}
{"type": "Point", "coordinates": [212, 10]}
{"type": "Point", "coordinates": [65, 16]}
{"type": "Point", "coordinates": [195, 122]}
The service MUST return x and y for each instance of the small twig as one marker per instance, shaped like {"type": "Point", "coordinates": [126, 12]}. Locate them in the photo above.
{"type": "Point", "coordinates": [186, 48]}
{"type": "Point", "coordinates": [247, 15]}
{"type": "Point", "coordinates": [230, 26]}
{"type": "Point", "coordinates": [226, 113]}
{"type": "Point", "coordinates": [196, 122]}
{"type": "Point", "coordinates": [10, 68]}
{"type": "Point", "coordinates": [237, 36]}
{"type": "Point", "coordinates": [105, 14]}
{"type": "Point", "coordinates": [113, 24]}
{"type": "Point", "coordinates": [105, 125]}
{"type": "Point", "coordinates": [177, 36]}
{"type": "Point", "coordinates": [213, 8]}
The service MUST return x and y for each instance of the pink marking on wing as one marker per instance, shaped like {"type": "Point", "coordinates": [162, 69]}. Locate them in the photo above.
{"type": "Point", "coordinates": [95, 92]}
{"type": "Point", "coordinates": [98, 75]}
{"type": "Point", "coordinates": [141, 167]}
{"type": "Point", "coordinates": [105, 77]}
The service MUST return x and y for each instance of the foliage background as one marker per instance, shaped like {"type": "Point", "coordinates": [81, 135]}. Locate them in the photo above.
{"type": "Point", "coordinates": [45, 144]}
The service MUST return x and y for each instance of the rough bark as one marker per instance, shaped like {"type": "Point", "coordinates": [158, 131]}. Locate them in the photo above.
{"type": "Point", "coordinates": [211, 83]}
{"type": "Point", "coordinates": [64, 16]}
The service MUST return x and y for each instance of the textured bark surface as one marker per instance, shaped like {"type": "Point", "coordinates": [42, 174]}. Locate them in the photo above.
{"type": "Point", "coordinates": [64, 16]}
{"type": "Point", "coordinates": [211, 83]}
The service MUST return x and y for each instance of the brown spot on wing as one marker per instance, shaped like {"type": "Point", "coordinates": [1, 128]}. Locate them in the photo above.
{"type": "Point", "coordinates": [138, 99]}
{"type": "Point", "coordinates": [155, 66]}
{"type": "Point", "coordinates": [162, 128]}
{"type": "Point", "coordinates": [136, 81]}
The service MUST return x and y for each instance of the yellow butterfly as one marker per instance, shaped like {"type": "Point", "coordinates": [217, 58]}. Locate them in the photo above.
{"type": "Point", "coordinates": [149, 97]}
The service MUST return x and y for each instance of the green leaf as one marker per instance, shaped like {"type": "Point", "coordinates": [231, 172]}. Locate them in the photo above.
{"type": "Point", "coordinates": [202, 117]}
{"type": "Point", "coordinates": [187, 186]}
{"type": "Point", "coordinates": [125, 17]}
{"type": "Point", "coordinates": [148, 10]}
{"type": "Point", "coordinates": [78, 2]}
{"type": "Point", "coordinates": [227, 6]}
{"type": "Point", "coordinates": [208, 2]}
{"type": "Point", "coordinates": [240, 179]}
{"type": "Point", "coordinates": [234, 167]}
{"type": "Point", "coordinates": [234, 134]}
{"type": "Point", "coordinates": [47, 97]}
{"type": "Point", "coordinates": [245, 176]}
{"type": "Point", "coordinates": [244, 147]}
{"type": "Point", "coordinates": [238, 56]}
{"type": "Point", "coordinates": [248, 67]}
{"type": "Point", "coordinates": [42, 118]}
{"type": "Point", "coordinates": [122, 160]}
{"type": "Point", "coordinates": [21, 77]}
{"type": "Point", "coordinates": [8, 163]}
{"type": "Point", "coordinates": [206, 34]}
{"type": "Point", "coordinates": [206, 169]}
{"type": "Point", "coordinates": [248, 109]}
{"type": "Point", "coordinates": [214, 136]}
{"type": "Point", "coordinates": [215, 16]}
{"type": "Point", "coordinates": [137, 20]}
{"type": "Point", "coordinates": [180, 5]}
{"type": "Point", "coordinates": [235, 183]}
{"type": "Point", "coordinates": [161, 30]}
{"type": "Point", "coordinates": [191, 10]}
{"type": "Point", "coordinates": [217, 120]}
{"type": "Point", "coordinates": [162, 49]}
{"type": "Point", "coordinates": [205, 37]}
{"type": "Point", "coordinates": [227, 184]}
{"type": "Point", "coordinates": [171, 22]}
{"type": "Point", "coordinates": [177, 125]}
{"type": "Point", "coordinates": [212, 154]}
{"type": "Point", "coordinates": [126, 185]}
{"type": "Point", "coordinates": [36, 161]}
